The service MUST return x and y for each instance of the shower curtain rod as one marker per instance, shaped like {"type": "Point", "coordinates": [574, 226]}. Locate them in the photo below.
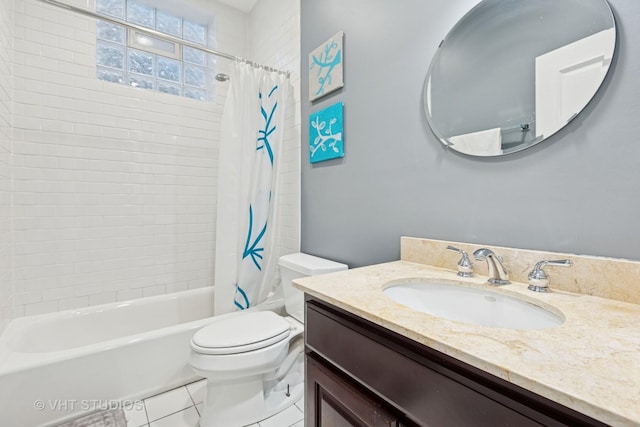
{"type": "Point", "coordinates": [160, 35]}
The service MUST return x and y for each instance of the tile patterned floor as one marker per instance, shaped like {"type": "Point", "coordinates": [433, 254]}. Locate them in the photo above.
{"type": "Point", "coordinates": [181, 407]}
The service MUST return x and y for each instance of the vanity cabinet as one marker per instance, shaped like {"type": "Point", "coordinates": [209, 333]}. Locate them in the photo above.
{"type": "Point", "coordinates": [361, 374]}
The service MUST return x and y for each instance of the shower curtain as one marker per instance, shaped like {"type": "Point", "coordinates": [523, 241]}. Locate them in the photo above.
{"type": "Point", "coordinates": [250, 149]}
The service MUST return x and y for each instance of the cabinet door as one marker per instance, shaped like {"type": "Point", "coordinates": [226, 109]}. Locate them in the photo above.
{"type": "Point", "coordinates": [332, 400]}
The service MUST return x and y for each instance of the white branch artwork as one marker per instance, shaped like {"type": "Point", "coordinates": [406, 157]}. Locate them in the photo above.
{"type": "Point", "coordinates": [327, 139]}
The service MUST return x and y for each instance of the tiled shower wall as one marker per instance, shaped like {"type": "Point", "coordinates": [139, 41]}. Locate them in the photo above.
{"type": "Point", "coordinates": [114, 193]}
{"type": "Point", "coordinates": [274, 39]}
{"type": "Point", "coordinates": [6, 101]}
{"type": "Point", "coordinates": [114, 187]}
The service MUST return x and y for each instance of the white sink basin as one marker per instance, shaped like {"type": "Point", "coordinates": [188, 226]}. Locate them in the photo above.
{"type": "Point", "coordinates": [453, 301]}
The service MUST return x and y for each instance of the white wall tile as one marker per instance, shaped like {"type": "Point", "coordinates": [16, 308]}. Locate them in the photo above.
{"type": "Point", "coordinates": [6, 140]}
{"type": "Point", "coordinates": [40, 308]}
{"type": "Point", "coordinates": [114, 188]}
{"type": "Point", "coordinates": [151, 291]}
{"type": "Point", "coordinates": [103, 298]}
{"type": "Point", "coordinates": [126, 295]}
{"type": "Point", "coordinates": [70, 303]}
{"type": "Point", "coordinates": [96, 164]}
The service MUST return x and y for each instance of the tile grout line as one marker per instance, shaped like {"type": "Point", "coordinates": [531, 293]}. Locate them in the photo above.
{"type": "Point", "coordinates": [173, 413]}
{"type": "Point", "coordinates": [190, 395]}
{"type": "Point", "coordinates": [146, 414]}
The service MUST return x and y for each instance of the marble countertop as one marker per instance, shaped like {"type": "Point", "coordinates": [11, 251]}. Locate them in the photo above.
{"type": "Point", "coordinates": [590, 363]}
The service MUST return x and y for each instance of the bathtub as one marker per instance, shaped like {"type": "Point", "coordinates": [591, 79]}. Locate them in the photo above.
{"type": "Point", "coordinates": [57, 366]}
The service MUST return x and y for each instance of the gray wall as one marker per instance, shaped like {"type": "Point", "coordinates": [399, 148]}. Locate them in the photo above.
{"type": "Point", "coordinates": [577, 192]}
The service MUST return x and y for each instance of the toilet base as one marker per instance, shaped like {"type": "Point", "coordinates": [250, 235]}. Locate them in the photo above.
{"type": "Point", "coordinates": [240, 404]}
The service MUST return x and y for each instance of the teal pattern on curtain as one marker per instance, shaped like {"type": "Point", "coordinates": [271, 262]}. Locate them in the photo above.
{"type": "Point", "coordinates": [261, 192]}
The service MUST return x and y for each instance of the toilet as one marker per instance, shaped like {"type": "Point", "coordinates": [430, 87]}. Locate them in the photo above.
{"type": "Point", "coordinates": [254, 361]}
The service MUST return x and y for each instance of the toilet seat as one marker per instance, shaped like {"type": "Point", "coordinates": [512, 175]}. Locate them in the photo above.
{"type": "Point", "coordinates": [240, 334]}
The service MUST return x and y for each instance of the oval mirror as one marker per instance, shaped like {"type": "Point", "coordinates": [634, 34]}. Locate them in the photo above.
{"type": "Point", "coordinates": [511, 73]}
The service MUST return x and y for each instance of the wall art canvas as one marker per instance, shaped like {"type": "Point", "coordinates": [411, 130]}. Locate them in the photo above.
{"type": "Point", "coordinates": [325, 67]}
{"type": "Point", "coordinates": [325, 134]}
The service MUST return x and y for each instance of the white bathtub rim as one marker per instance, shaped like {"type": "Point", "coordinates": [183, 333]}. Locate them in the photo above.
{"type": "Point", "coordinates": [12, 361]}
{"type": "Point", "coordinates": [15, 327]}
{"type": "Point", "coordinates": [20, 322]}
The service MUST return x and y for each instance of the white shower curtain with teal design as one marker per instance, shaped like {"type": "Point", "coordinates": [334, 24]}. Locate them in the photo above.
{"type": "Point", "coordinates": [246, 225]}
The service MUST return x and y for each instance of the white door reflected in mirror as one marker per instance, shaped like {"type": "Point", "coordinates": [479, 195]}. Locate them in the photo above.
{"type": "Point", "coordinates": [568, 77]}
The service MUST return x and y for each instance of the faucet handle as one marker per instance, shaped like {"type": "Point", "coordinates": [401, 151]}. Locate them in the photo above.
{"type": "Point", "coordinates": [538, 279]}
{"type": "Point", "coordinates": [465, 266]}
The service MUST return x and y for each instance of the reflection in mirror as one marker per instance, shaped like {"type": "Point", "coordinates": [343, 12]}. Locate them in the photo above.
{"type": "Point", "coordinates": [511, 73]}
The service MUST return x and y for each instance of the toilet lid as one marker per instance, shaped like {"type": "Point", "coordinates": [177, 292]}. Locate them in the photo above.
{"type": "Point", "coordinates": [241, 333]}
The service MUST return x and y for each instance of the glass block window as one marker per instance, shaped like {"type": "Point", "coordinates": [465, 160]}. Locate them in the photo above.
{"type": "Point", "coordinates": [130, 57]}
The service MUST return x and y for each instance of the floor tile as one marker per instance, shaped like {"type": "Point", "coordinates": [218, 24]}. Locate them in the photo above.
{"type": "Point", "coordinates": [197, 390]}
{"type": "Point", "coordinates": [187, 418]}
{"type": "Point", "coordinates": [136, 416]}
{"type": "Point", "coordinates": [286, 418]}
{"type": "Point", "coordinates": [168, 403]}
{"type": "Point", "coordinates": [175, 408]}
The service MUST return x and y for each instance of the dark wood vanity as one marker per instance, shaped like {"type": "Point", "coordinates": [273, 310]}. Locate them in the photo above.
{"type": "Point", "coordinates": [361, 374]}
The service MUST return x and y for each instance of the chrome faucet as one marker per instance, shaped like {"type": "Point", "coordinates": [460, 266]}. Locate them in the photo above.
{"type": "Point", "coordinates": [497, 273]}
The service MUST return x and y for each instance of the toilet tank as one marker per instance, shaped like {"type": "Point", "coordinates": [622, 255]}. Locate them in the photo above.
{"type": "Point", "coordinates": [294, 266]}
